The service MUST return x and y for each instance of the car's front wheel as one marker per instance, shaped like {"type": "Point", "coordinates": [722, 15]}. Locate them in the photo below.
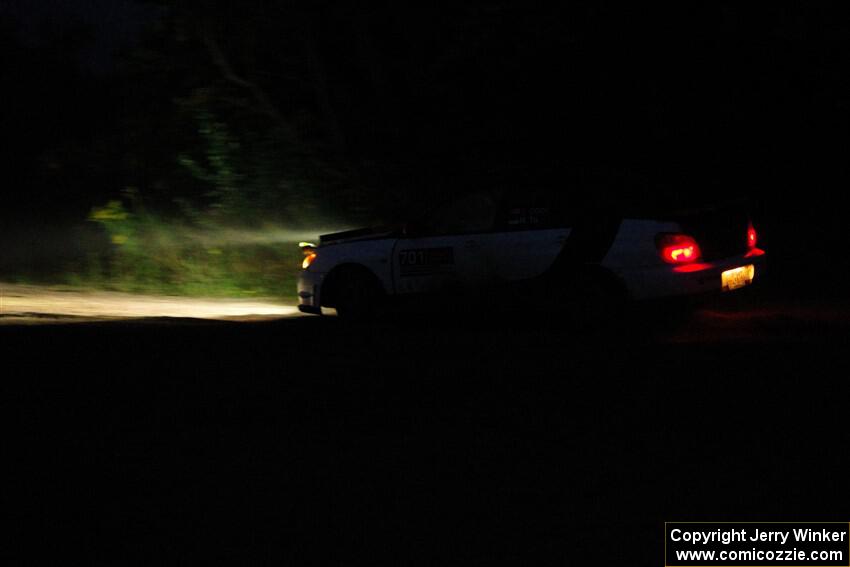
{"type": "Point", "coordinates": [358, 295]}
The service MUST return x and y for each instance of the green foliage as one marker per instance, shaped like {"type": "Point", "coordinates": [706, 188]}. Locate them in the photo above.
{"type": "Point", "coordinates": [152, 254]}
{"type": "Point", "coordinates": [221, 156]}
{"type": "Point", "coordinates": [216, 142]}
{"type": "Point", "coordinates": [253, 171]}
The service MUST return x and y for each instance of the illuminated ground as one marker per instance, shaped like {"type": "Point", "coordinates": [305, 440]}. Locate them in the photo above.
{"type": "Point", "coordinates": [31, 304]}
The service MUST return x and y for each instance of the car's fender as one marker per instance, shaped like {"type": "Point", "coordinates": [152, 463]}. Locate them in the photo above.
{"type": "Point", "coordinates": [373, 255]}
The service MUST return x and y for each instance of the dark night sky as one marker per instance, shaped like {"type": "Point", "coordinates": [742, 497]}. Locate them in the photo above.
{"type": "Point", "coordinates": [114, 24]}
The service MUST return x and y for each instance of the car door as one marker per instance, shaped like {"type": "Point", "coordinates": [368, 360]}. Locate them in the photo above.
{"type": "Point", "coordinates": [446, 252]}
{"type": "Point", "coordinates": [532, 228]}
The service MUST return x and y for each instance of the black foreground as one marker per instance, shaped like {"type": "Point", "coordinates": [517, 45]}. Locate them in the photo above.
{"type": "Point", "coordinates": [313, 442]}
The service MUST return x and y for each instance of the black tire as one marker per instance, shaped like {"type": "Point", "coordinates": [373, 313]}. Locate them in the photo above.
{"type": "Point", "coordinates": [359, 296]}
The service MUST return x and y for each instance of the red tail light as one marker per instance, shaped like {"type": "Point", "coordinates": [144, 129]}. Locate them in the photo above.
{"type": "Point", "coordinates": [752, 240]}
{"type": "Point", "coordinates": [752, 237]}
{"type": "Point", "coordinates": [678, 248]}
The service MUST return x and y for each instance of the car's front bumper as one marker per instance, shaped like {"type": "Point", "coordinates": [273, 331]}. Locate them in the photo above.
{"type": "Point", "coordinates": [309, 292]}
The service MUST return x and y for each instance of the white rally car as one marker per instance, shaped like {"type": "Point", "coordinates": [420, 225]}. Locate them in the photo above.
{"type": "Point", "coordinates": [484, 242]}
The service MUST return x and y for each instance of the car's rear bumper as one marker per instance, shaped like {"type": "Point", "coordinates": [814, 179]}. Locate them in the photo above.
{"type": "Point", "coordinates": [694, 279]}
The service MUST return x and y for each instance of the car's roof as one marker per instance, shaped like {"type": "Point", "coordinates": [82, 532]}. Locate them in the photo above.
{"type": "Point", "coordinates": [625, 193]}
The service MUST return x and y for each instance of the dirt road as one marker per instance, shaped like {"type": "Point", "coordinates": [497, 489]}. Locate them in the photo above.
{"type": "Point", "coordinates": [29, 304]}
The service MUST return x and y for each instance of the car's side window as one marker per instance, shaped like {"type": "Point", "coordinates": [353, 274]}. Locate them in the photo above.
{"type": "Point", "coordinates": [473, 213]}
{"type": "Point", "coordinates": [528, 217]}
{"type": "Point", "coordinates": [534, 210]}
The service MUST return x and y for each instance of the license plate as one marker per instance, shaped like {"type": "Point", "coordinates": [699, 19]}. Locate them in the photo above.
{"type": "Point", "coordinates": [738, 277]}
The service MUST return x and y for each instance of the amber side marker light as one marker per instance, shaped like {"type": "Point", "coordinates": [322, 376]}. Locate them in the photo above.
{"type": "Point", "coordinates": [309, 250]}
{"type": "Point", "coordinates": [678, 248]}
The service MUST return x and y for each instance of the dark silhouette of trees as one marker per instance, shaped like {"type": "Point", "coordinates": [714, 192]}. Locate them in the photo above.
{"type": "Point", "coordinates": [368, 110]}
